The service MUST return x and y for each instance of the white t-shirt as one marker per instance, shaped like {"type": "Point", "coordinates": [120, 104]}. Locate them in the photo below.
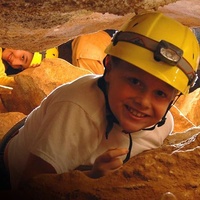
{"type": "Point", "coordinates": [68, 130]}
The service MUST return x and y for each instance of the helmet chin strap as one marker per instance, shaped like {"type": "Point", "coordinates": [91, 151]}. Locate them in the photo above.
{"type": "Point", "coordinates": [160, 123]}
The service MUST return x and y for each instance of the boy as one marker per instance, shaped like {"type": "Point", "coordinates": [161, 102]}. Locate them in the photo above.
{"type": "Point", "coordinates": [102, 121]}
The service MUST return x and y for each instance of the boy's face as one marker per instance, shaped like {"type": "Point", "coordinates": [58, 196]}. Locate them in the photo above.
{"type": "Point", "coordinates": [17, 59]}
{"type": "Point", "coordinates": [136, 98]}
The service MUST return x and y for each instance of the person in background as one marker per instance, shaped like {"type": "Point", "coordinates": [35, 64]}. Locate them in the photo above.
{"type": "Point", "coordinates": [18, 58]}
{"type": "Point", "coordinates": [102, 121]}
{"type": "Point", "coordinates": [85, 51]}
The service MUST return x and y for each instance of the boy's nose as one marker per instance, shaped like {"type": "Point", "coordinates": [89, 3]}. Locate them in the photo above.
{"type": "Point", "coordinates": [143, 100]}
{"type": "Point", "coordinates": [17, 61]}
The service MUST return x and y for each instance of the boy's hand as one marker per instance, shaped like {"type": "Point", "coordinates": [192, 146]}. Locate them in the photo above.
{"type": "Point", "coordinates": [108, 162]}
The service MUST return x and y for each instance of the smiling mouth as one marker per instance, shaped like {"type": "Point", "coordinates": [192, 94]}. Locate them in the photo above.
{"type": "Point", "coordinates": [135, 112]}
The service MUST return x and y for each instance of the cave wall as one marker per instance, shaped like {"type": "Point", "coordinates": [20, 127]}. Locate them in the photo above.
{"type": "Point", "coordinates": [36, 25]}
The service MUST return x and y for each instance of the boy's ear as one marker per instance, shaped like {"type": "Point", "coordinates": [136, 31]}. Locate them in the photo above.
{"type": "Point", "coordinates": [107, 63]}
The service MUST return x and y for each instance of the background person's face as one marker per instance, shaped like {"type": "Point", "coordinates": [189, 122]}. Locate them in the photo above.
{"type": "Point", "coordinates": [17, 59]}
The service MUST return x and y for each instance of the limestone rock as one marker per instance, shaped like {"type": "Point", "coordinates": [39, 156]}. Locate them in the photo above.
{"type": "Point", "coordinates": [36, 25]}
{"type": "Point", "coordinates": [8, 120]}
{"type": "Point", "coordinates": [39, 25]}
{"type": "Point", "coordinates": [185, 11]}
{"type": "Point", "coordinates": [149, 175]}
{"type": "Point", "coordinates": [2, 108]}
{"type": "Point", "coordinates": [34, 84]}
{"type": "Point", "coordinates": [189, 106]}
{"type": "Point", "coordinates": [181, 122]}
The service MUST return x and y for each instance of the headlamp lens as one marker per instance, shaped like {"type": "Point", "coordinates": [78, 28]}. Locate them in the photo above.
{"type": "Point", "coordinates": [170, 55]}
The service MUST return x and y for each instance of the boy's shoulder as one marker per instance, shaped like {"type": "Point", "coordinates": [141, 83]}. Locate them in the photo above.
{"type": "Point", "coordinates": [83, 92]}
{"type": "Point", "coordinates": [82, 88]}
{"type": "Point", "coordinates": [84, 82]}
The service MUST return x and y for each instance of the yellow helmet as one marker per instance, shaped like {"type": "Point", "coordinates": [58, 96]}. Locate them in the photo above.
{"type": "Point", "coordinates": [160, 46]}
{"type": "Point", "coordinates": [39, 56]}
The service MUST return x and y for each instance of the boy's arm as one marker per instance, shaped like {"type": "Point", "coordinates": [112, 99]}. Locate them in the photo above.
{"type": "Point", "coordinates": [104, 164]}
{"type": "Point", "coordinates": [35, 166]}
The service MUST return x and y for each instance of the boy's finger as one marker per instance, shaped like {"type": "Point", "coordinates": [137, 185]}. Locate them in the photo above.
{"type": "Point", "coordinates": [113, 153]}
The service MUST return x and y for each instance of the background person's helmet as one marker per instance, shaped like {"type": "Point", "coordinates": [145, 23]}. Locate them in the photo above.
{"type": "Point", "coordinates": [39, 56]}
{"type": "Point", "coordinates": [160, 46]}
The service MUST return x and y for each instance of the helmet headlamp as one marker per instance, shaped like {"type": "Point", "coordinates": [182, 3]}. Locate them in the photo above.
{"type": "Point", "coordinates": [162, 51]}
{"type": "Point", "coordinates": [168, 53]}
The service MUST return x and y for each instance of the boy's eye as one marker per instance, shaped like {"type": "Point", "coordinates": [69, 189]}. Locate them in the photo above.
{"type": "Point", "coordinates": [161, 93]}
{"type": "Point", "coordinates": [135, 81]}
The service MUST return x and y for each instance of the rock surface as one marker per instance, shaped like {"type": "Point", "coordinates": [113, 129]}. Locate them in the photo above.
{"type": "Point", "coordinates": [172, 168]}
{"type": "Point", "coordinates": [36, 25]}
{"type": "Point", "coordinates": [7, 120]}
